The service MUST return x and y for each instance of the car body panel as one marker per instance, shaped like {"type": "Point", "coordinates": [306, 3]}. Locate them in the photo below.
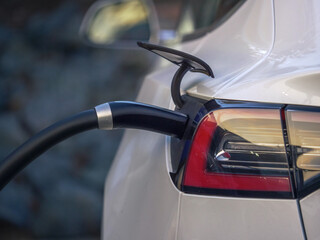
{"type": "Point", "coordinates": [239, 43]}
{"type": "Point", "coordinates": [140, 200]}
{"type": "Point", "coordinates": [204, 217]}
{"type": "Point", "coordinates": [253, 58]}
{"type": "Point", "coordinates": [290, 72]}
{"type": "Point", "coordinates": [310, 209]}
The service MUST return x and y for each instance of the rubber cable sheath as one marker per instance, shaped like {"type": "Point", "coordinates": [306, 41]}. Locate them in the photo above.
{"type": "Point", "coordinates": [44, 140]}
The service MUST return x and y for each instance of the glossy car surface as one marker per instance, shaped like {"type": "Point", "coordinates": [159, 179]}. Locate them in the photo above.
{"type": "Point", "coordinates": [267, 51]}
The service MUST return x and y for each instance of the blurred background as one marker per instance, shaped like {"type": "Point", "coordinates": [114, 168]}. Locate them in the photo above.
{"type": "Point", "coordinates": [48, 73]}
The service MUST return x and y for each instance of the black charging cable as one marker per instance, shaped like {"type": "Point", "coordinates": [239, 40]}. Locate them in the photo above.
{"type": "Point", "coordinates": [106, 116]}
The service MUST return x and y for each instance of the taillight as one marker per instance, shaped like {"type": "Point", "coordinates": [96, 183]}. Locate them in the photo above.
{"type": "Point", "coordinates": [239, 152]}
{"type": "Point", "coordinates": [303, 125]}
{"type": "Point", "coordinates": [250, 149]}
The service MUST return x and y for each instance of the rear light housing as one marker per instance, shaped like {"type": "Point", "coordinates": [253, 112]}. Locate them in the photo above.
{"type": "Point", "coordinates": [247, 149]}
{"type": "Point", "coordinates": [303, 124]}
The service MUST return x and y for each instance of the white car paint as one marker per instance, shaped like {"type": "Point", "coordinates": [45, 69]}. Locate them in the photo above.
{"type": "Point", "coordinates": [290, 72]}
{"type": "Point", "coordinates": [204, 217]}
{"type": "Point", "coordinates": [268, 52]}
{"type": "Point", "coordinates": [311, 214]}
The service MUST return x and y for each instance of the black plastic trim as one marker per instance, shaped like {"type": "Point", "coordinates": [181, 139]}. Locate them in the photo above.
{"type": "Point", "coordinates": [175, 85]}
{"type": "Point", "coordinates": [195, 109]}
{"type": "Point", "coordinates": [290, 161]}
{"type": "Point", "coordinates": [179, 58]}
{"type": "Point", "coordinates": [236, 193]}
{"type": "Point", "coordinates": [187, 62]}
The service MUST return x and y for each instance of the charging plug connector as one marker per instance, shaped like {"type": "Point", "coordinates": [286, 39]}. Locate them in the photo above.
{"type": "Point", "coordinates": [106, 116]}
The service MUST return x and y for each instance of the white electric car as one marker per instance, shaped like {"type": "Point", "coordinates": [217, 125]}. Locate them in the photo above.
{"type": "Point", "coordinates": [251, 167]}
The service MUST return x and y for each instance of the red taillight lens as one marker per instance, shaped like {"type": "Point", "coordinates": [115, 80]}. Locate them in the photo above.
{"type": "Point", "coordinates": [239, 152]}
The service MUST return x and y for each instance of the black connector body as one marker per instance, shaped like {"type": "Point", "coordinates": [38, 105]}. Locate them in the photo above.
{"type": "Point", "coordinates": [147, 117]}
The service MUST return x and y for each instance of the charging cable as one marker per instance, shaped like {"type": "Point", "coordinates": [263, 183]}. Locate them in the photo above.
{"type": "Point", "coordinates": [106, 116]}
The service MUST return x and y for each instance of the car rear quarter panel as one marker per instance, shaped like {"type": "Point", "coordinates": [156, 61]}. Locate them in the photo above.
{"type": "Point", "coordinates": [248, 56]}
